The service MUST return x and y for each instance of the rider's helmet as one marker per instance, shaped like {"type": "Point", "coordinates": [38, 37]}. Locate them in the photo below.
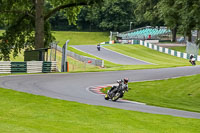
{"type": "Point", "coordinates": [126, 80]}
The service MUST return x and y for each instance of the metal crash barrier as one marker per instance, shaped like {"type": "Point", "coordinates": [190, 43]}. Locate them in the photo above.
{"type": "Point", "coordinates": [27, 67]}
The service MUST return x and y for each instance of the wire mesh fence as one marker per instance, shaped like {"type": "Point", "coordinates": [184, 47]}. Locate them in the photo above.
{"type": "Point", "coordinates": [76, 62]}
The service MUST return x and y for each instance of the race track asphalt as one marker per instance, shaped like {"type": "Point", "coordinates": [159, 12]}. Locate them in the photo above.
{"type": "Point", "coordinates": [109, 55]}
{"type": "Point", "coordinates": [74, 87]}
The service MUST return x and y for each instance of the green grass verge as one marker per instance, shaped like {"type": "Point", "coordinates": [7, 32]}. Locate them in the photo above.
{"type": "Point", "coordinates": [181, 49]}
{"type": "Point", "coordinates": [80, 38]}
{"type": "Point", "coordinates": [21, 112]}
{"type": "Point", "coordinates": [149, 55]}
{"type": "Point", "coordinates": [160, 60]}
{"type": "Point", "coordinates": [180, 93]}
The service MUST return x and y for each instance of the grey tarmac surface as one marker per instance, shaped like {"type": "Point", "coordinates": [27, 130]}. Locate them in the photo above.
{"type": "Point", "coordinates": [110, 55]}
{"type": "Point", "coordinates": [74, 87]}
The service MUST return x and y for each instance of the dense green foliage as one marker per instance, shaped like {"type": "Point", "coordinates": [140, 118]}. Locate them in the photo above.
{"type": "Point", "coordinates": [19, 19]}
{"type": "Point", "coordinates": [22, 112]}
{"type": "Point", "coordinates": [114, 15]}
{"type": "Point", "coordinates": [27, 22]}
{"type": "Point", "coordinates": [147, 12]}
{"type": "Point", "coordinates": [178, 15]}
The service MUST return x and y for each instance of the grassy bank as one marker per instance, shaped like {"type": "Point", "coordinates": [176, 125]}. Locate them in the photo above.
{"type": "Point", "coordinates": [149, 55]}
{"type": "Point", "coordinates": [159, 60]}
{"type": "Point", "coordinates": [180, 93]}
{"type": "Point", "coordinates": [81, 38]}
{"type": "Point", "coordinates": [182, 49]}
{"type": "Point", "coordinates": [21, 112]}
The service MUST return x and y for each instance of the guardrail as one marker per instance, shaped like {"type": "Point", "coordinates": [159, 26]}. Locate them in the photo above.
{"type": "Point", "coordinates": [27, 67]}
{"type": "Point", "coordinates": [86, 59]}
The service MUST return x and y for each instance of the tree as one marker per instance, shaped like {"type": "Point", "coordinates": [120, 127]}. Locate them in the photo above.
{"type": "Point", "coordinates": [147, 12]}
{"type": "Point", "coordinates": [169, 12]}
{"type": "Point", "coordinates": [89, 18]}
{"type": "Point", "coordinates": [114, 15]}
{"type": "Point", "coordinates": [117, 14]}
{"type": "Point", "coordinates": [27, 22]}
{"type": "Point", "coordinates": [190, 14]}
{"type": "Point", "coordinates": [181, 14]}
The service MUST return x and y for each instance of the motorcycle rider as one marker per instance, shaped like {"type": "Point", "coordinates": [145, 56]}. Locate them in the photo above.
{"type": "Point", "coordinates": [98, 47]}
{"type": "Point", "coordinates": [123, 83]}
{"type": "Point", "coordinates": [192, 60]}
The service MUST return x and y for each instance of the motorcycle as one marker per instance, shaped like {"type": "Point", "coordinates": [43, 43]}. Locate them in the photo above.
{"type": "Point", "coordinates": [192, 60]}
{"type": "Point", "coordinates": [115, 93]}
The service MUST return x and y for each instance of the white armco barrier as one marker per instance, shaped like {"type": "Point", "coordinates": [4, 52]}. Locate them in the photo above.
{"type": "Point", "coordinates": [168, 51]}
{"type": "Point", "coordinates": [53, 66]}
{"type": "Point", "coordinates": [34, 66]}
{"type": "Point", "coordinates": [152, 41]}
{"type": "Point", "coordinates": [5, 67]}
{"type": "Point", "coordinates": [28, 67]}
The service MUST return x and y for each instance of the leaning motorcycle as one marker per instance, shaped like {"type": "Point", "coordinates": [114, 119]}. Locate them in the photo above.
{"type": "Point", "coordinates": [115, 93]}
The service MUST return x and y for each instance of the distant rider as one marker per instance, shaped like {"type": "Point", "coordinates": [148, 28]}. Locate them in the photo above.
{"type": "Point", "coordinates": [192, 60]}
{"type": "Point", "coordinates": [98, 47]}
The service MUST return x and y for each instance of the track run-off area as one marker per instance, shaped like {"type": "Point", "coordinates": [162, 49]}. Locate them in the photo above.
{"type": "Point", "coordinates": [77, 86]}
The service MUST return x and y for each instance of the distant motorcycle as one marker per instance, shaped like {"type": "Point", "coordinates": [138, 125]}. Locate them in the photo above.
{"type": "Point", "coordinates": [193, 63]}
{"type": "Point", "coordinates": [115, 93]}
{"type": "Point", "coordinates": [98, 47]}
{"type": "Point", "coordinates": [192, 60]}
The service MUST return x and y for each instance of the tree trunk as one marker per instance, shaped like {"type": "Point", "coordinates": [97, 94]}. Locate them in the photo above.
{"type": "Point", "coordinates": [174, 31]}
{"type": "Point", "coordinates": [39, 24]}
{"type": "Point", "coordinates": [189, 34]}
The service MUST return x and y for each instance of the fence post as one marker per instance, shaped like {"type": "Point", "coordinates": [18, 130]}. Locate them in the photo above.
{"type": "Point", "coordinates": [64, 57]}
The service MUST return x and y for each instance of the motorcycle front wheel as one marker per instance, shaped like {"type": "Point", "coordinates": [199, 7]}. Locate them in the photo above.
{"type": "Point", "coordinates": [116, 97]}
